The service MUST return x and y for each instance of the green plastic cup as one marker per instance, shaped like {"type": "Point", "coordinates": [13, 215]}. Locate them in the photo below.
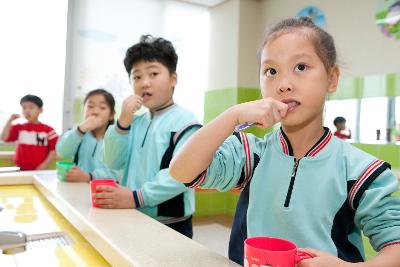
{"type": "Point", "coordinates": [62, 168]}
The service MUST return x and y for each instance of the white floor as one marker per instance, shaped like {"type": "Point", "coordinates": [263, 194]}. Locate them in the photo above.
{"type": "Point", "coordinates": [214, 236]}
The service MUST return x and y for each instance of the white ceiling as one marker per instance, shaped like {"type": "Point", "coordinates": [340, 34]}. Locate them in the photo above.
{"type": "Point", "coordinates": [207, 3]}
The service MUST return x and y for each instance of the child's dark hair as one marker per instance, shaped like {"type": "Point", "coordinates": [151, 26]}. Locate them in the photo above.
{"type": "Point", "coordinates": [107, 96]}
{"type": "Point", "coordinates": [323, 42]}
{"type": "Point", "coordinates": [32, 98]}
{"type": "Point", "coordinates": [338, 120]}
{"type": "Point", "coordinates": [151, 49]}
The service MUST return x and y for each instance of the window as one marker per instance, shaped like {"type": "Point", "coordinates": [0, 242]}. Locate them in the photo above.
{"type": "Point", "coordinates": [102, 32]}
{"type": "Point", "coordinates": [192, 66]}
{"type": "Point", "coordinates": [343, 108]}
{"type": "Point", "coordinates": [32, 53]}
{"type": "Point", "coordinates": [373, 119]}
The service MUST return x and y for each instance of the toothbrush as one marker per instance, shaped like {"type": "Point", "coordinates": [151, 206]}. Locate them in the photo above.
{"type": "Point", "coordinates": [243, 126]}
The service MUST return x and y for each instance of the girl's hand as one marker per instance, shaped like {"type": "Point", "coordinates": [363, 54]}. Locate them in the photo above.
{"type": "Point", "coordinates": [77, 175]}
{"type": "Point", "coordinates": [130, 105]}
{"type": "Point", "coordinates": [111, 197]}
{"type": "Point", "coordinates": [91, 123]}
{"type": "Point", "coordinates": [14, 117]}
{"type": "Point", "coordinates": [321, 259]}
{"type": "Point", "coordinates": [264, 112]}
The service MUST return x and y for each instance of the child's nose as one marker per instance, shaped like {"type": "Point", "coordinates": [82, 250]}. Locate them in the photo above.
{"type": "Point", "coordinates": [284, 89]}
{"type": "Point", "coordinates": [285, 86]}
{"type": "Point", "coordinates": [145, 83]}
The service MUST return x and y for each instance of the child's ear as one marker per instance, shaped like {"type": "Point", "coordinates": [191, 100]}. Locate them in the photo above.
{"type": "Point", "coordinates": [112, 115]}
{"type": "Point", "coordinates": [333, 79]}
{"type": "Point", "coordinates": [174, 79]}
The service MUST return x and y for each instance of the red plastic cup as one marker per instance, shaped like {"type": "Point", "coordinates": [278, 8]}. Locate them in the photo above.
{"type": "Point", "coordinates": [265, 251]}
{"type": "Point", "coordinates": [97, 182]}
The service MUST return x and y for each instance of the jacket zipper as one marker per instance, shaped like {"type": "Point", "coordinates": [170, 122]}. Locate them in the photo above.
{"type": "Point", "coordinates": [94, 150]}
{"type": "Point", "coordinates": [292, 179]}
{"type": "Point", "coordinates": [145, 135]}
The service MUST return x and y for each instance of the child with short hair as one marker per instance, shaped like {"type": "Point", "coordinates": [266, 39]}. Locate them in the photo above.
{"type": "Point", "coordinates": [36, 141]}
{"type": "Point", "coordinates": [298, 182]}
{"type": "Point", "coordinates": [84, 143]}
{"type": "Point", "coordinates": [340, 124]}
{"type": "Point", "coordinates": [143, 145]}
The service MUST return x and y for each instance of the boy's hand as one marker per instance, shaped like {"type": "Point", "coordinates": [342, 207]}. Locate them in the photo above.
{"type": "Point", "coordinates": [14, 117]}
{"type": "Point", "coordinates": [91, 123]}
{"type": "Point", "coordinates": [77, 175]}
{"type": "Point", "coordinates": [130, 105]}
{"type": "Point", "coordinates": [321, 259]}
{"type": "Point", "coordinates": [264, 112]}
{"type": "Point", "coordinates": [110, 197]}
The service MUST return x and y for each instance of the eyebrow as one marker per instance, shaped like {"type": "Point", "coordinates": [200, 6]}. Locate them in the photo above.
{"type": "Point", "coordinates": [93, 102]}
{"type": "Point", "coordinates": [148, 67]}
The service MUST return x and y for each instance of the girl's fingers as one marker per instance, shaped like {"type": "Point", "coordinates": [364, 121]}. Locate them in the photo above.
{"type": "Point", "coordinates": [282, 108]}
{"type": "Point", "coordinates": [276, 115]}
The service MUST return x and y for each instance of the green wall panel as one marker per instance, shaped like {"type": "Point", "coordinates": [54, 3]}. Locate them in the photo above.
{"type": "Point", "coordinates": [393, 85]}
{"type": "Point", "coordinates": [211, 203]}
{"type": "Point", "coordinates": [215, 203]}
{"type": "Point", "coordinates": [374, 86]}
{"type": "Point", "coordinates": [348, 88]}
{"type": "Point", "coordinates": [78, 110]}
{"type": "Point", "coordinates": [386, 152]}
{"type": "Point", "coordinates": [248, 94]}
{"type": "Point", "coordinates": [231, 203]}
{"type": "Point", "coordinates": [217, 101]}
{"type": "Point", "coordinates": [7, 147]}
{"type": "Point", "coordinates": [6, 163]}
{"type": "Point", "coordinates": [367, 86]}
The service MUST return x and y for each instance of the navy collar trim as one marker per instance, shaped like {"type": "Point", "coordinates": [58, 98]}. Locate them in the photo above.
{"type": "Point", "coordinates": [315, 149]}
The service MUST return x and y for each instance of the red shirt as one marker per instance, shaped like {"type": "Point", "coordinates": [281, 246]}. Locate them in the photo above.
{"type": "Point", "coordinates": [34, 142]}
{"type": "Point", "coordinates": [341, 136]}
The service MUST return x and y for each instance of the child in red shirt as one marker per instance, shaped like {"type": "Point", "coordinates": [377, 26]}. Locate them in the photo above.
{"type": "Point", "coordinates": [35, 141]}
{"type": "Point", "coordinates": [340, 124]}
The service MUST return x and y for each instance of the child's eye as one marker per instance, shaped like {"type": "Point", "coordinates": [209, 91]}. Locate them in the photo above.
{"type": "Point", "coordinates": [270, 72]}
{"type": "Point", "coordinates": [300, 67]}
{"type": "Point", "coordinates": [153, 74]}
{"type": "Point", "coordinates": [135, 77]}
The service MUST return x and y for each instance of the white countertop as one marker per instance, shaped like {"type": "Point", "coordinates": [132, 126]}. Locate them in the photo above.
{"type": "Point", "coordinates": [124, 237]}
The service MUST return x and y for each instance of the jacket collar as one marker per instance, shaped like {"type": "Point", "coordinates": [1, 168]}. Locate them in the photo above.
{"type": "Point", "coordinates": [315, 149]}
{"type": "Point", "coordinates": [162, 110]}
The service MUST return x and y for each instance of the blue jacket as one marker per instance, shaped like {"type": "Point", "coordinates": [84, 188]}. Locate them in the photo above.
{"type": "Point", "coordinates": [323, 201]}
{"type": "Point", "coordinates": [87, 151]}
{"type": "Point", "coordinates": [143, 152]}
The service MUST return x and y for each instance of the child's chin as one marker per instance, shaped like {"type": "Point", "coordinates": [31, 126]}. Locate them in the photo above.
{"type": "Point", "coordinates": [147, 105]}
